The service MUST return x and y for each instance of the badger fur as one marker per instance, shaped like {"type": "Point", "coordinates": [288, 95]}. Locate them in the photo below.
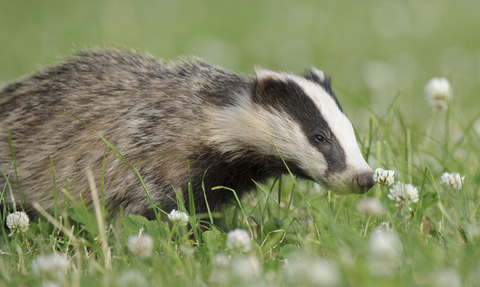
{"type": "Point", "coordinates": [166, 117]}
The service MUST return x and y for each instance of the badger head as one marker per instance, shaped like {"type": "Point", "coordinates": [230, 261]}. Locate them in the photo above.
{"type": "Point", "coordinates": [299, 118]}
{"type": "Point", "coordinates": [315, 136]}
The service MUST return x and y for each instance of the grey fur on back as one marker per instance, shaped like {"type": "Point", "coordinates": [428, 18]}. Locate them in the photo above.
{"type": "Point", "coordinates": [152, 112]}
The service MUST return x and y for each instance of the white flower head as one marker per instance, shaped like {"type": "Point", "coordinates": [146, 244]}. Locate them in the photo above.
{"type": "Point", "coordinates": [221, 260]}
{"type": "Point", "coordinates": [447, 278]}
{"type": "Point", "coordinates": [404, 194]}
{"type": "Point", "coordinates": [383, 227]}
{"type": "Point", "coordinates": [370, 206]}
{"type": "Point", "coordinates": [239, 239]}
{"type": "Point", "coordinates": [48, 283]}
{"type": "Point", "coordinates": [187, 250]}
{"type": "Point", "coordinates": [51, 267]}
{"type": "Point", "coordinates": [18, 221]}
{"type": "Point", "coordinates": [220, 274]}
{"type": "Point", "coordinates": [312, 272]}
{"type": "Point", "coordinates": [220, 277]}
{"type": "Point", "coordinates": [132, 279]}
{"type": "Point", "coordinates": [178, 217]}
{"type": "Point", "coordinates": [142, 245]}
{"type": "Point", "coordinates": [452, 180]}
{"type": "Point", "coordinates": [383, 177]}
{"type": "Point", "coordinates": [438, 92]}
{"type": "Point", "coordinates": [246, 268]}
{"type": "Point", "coordinates": [412, 193]}
{"type": "Point", "coordinates": [385, 249]}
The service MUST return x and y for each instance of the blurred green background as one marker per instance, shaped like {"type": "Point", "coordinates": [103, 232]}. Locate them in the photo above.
{"type": "Point", "coordinates": [373, 49]}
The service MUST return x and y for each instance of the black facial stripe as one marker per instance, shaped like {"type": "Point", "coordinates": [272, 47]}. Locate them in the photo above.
{"type": "Point", "coordinates": [289, 97]}
{"type": "Point", "coordinates": [326, 84]}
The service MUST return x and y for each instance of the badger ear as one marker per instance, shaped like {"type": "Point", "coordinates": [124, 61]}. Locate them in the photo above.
{"type": "Point", "coordinates": [270, 85]}
{"type": "Point", "coordinates": [263, 74]}
{"type": "Point", "coordinates": [315, 75]}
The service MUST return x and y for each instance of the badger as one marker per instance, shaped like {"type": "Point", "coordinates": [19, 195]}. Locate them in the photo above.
{"type": "Point", "coordinates": [179, 123]}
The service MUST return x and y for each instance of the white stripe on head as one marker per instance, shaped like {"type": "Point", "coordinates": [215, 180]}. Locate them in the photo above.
{"type": "Point", "coordinates": [248, 124]}
{"type": "Point", "coordinates": [339, 124]}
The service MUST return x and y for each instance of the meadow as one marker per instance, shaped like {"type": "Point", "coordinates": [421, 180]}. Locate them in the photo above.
{"type": "Point", "coordinates": [381, 55]}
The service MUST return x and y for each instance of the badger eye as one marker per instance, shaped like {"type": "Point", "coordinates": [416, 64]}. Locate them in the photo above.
{"type": "Point", "coordinates": [320, 139]}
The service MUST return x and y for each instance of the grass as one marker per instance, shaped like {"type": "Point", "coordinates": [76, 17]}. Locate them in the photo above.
{"type": "Point", "coordinates": [290, 221]}
{"type": "Point", "coordinates": [380, 53]}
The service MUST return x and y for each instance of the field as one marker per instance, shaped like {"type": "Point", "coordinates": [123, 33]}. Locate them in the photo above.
{"type": "Point", "coordinates": [380, 54]}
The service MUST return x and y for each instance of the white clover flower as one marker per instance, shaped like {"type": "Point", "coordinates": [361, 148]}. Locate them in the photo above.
{"type": "Point", "coordinates": [397, 192]}
{"type": "Point", "coordinates": [18, 221]}
{"type": "Point", "coordinates": [220, 277]}
{"type": "Point", "coordinates": [383, 177]}
{"type": "Point", "coordinates": [383, 227]}
{"type": "Point", "coordinates": [178, 217]}
{"type": "Point", "coordinates": [51, 267]}
{"type": "Point", "coordinates": [438, 92]}
{"type": "Point", "coordinates": [239, 239]}
{"type": "Point", "coordinates": [472, 231]}
{"type": "Point", "coordinates": [370, 206]}
{"type": "Point", "coordinates": [132, 279]}
{"type": "Point", "coordinates": [447, 278]}
{"type": "Point", "coordinates": [412, 193]}
{"type": "Point", "coordinates": [186, 250]}
{"type": "Point", "coordinates": [452, 180]}
{"type": "Point", "coordinates": [221, 260]}
{"type": "Point", "coordinates": [246, 268]}
{"type": "Point", "coordinates": [312, 272]}
{"type": "Point", "coordinates": [385, 249]}
{"type": "Point", "coordinates": [405, 195]}
{"type": "Point", "coordinates": [47, 283]}
{"type": "Point", "coordinates": [142, 245]}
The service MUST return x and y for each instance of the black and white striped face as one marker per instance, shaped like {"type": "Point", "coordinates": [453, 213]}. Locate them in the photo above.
{"type": "Point", "coordinates": [312, 131]}
{"type": "Point", "coordinates": [304, 120]}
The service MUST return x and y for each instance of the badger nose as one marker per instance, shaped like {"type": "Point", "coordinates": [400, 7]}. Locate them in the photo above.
{"type": "Point", "coordinates": [363, 182]}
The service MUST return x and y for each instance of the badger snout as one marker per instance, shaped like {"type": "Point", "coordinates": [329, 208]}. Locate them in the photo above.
{"type": "Point", "coordinates": [363, 182]}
